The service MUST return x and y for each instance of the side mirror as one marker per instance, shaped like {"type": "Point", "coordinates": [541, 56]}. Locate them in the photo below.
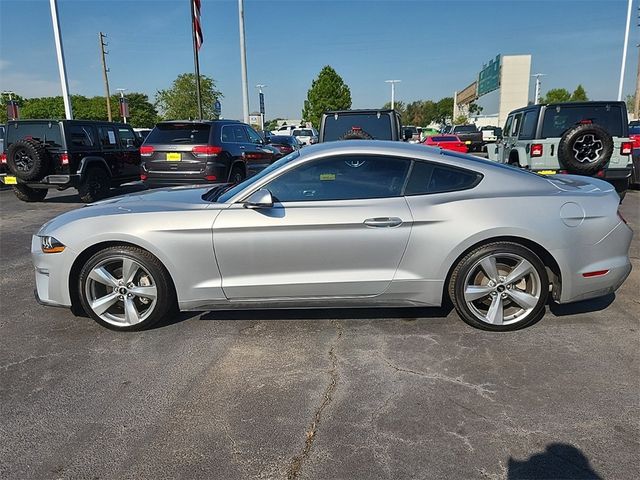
{"type": "Point", "coordinates": [407, 134]}
{"type": "Point", "coordinates": [259, 199]}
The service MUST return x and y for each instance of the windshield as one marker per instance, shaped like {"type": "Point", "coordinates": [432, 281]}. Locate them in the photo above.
{"type": "Point", "coordinates": [368, 126]}
{"type": "Point", "coordinates": [250, 181]}
{"type": "Point", "coordinates": [185, 133]}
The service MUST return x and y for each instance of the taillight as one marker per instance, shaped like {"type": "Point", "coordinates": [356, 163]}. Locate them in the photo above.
{"type": "Point", "coordinates": [210, 178]}
{"type": "Point", "coordinates": [205, 150]}
{"type": "Point", "coordinates": [146, 150]}
{"type": "Point", "coordinates": [143, 176]}
{"type": "Point", "coordinates": [64, 158]}
{"type": "Point", "coordinates": [3, 158]}
{"type": "Point", "coordinates": [626, 148]}
{"type": "Point", "coordinates": [600, 174]}
{"type": "Point", "coordinates": [536, 150]}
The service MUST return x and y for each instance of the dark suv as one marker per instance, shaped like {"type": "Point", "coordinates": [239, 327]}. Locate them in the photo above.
{"type": "Point", "coordinates": [91, 156]}
{"type": "Point", "coordinates": [362, 124]}
{"type": "Point", "coordinates": [188, 152]}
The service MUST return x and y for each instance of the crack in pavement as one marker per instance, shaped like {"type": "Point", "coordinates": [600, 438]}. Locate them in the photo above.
{"type": "Point", "coordinates": [296, 463]}
{"type": "Point", "coordinates": [479, 389]}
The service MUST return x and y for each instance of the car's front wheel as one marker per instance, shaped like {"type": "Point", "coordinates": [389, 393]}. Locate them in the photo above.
{"type": "Point", "coordinates": [126, 288]}
{"type": "Point", "coordinates": [500, 286]}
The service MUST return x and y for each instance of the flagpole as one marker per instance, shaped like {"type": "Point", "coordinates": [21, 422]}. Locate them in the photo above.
{"type": "Point", "coordinates": [196, 61]}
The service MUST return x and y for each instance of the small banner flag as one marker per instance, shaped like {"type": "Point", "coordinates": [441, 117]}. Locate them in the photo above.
{"type": "Point", "coordinates": [196, 23]}
{"type": "Point", "coordinates": [124, 107]}
{"type": "Point", "coordinates": [12, 110]}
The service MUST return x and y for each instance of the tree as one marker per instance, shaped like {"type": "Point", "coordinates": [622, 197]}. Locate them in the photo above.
{"type": "Point", "coordinates": [556, 95]}
{"type": "Point", "coordinates": [272, 124]}
{"type": "Point", "coordinates": [579, 95]}
{"type": "Point", "coordinates": [444, 110]}
{"type": "Point", "coordinates": [461, 120]}
{"type": "Point", "coordinates": [399, 107]}
{"type": "Point", "coordinates": [475, 108]}
{"type": "Point", "coordinates": [180, 101]}
{"type": "Point", "coordinates": [328, 92]}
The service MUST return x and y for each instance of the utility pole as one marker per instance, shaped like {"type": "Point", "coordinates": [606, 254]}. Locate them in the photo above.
{"type": "Point", "coordinates": [624, 50]}
{"type": "Point", "coordinates": [101, 37]}
{"type": "Point", "coordinates": [261, 102]}
{"type": "Point", "coordinates": [243, 61]}
{"type": "Point", "coordinates": [536, 99]}
{"type": "Point", "coordinates": [393, 91]}
{"type": "Point", "coordinates": [60, 53]}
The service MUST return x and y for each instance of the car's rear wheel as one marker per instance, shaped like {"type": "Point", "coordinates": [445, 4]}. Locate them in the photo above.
{"type": "Point", "coordinates": [126, 288]}
{"type": "Point", "coordinates": [95, 185]}
{"type": "Point", "coordinates": [500, 286]}
{"type": "Point", "coordinates": [237, 174]}
{"type": "Point", "coordinates": [28, 194]}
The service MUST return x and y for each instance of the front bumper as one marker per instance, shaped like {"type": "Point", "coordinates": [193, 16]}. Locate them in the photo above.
{"type": "Point", "coordinates": [51, 275]}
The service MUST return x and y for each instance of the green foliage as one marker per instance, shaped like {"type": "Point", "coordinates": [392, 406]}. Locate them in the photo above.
{"type": "Point", "coordinates": [579, 94]}
{"type": "Point", "coordinates": [4, 98]}
{"type": "Point", "coordinates": [557, 95]}
{"type": "Point", "coordinates": [444, 110]}
{"type": "Point", "coordinates": [271, 124]}
{"type": "Point", "coordinates": [399, 107]}
{"type": "Point", "coordinates": [461, 120]}
{"type": "Point", "coordinates": [423, 112]}
{"type": "Point", "coordinates": [475, 108]}
{"type": "Point", "coordinates": [143, 113]}
{"type": "Point", "coordinates": [328, 92]}
{"type": "Point", "coordinates": [180, 101]}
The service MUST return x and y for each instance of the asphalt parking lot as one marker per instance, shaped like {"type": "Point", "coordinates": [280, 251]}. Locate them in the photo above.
{"type": "Point", "coordinates": [320, 394]}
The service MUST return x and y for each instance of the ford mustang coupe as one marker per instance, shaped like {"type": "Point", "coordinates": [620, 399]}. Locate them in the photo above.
{"type": "Point", "coordinates": [342, 224]}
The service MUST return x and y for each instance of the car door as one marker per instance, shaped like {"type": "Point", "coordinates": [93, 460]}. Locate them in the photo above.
{"type": "Point", "coordinates": [109, 142]}
{"type": "Point", "coordinates": [129, 152]}
{"type": "Point", "coordinates": [338, 228]}
{"type": "Point", "coordinates": [510, 142]}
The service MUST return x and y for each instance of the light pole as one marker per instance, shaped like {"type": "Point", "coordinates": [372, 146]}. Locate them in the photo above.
{"type": "Point", "coordinates": [260, 86]}
{"type": "Point", "coordinates": [393, 91]}
{"type": "Point", "coordinates": [624, 50]}
{"type": "Point", "coordinates": [243, 62]}
{"type": "Point", "coordinates": [60, 53]}
{"type": "Point", "coordinates": [536, 99]}
{"type": "Point", "coordinates": [123, 112]}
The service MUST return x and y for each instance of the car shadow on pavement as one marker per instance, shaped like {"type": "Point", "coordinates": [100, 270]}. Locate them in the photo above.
{"type": "Point", "coordinates": [409, 313]}
{"type": "Point", "coordinates": [586, 306]}
{"type": "Point", "coordinates": [559, 460]}
{"type": "Point", "coordinates": [71, 195]}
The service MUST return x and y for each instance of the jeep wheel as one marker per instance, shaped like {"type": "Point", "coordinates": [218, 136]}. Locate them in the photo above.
{"type": "Point", "coordinates": [356, 134]}
{"type": "Point", "coordinates": [585, 149]}
{"type": "Point", "coordinates": [95, 186]}
{"type": "Point", "coordinates": [27, 159]}
{"type": "Point", "coordinates": [27, 194]}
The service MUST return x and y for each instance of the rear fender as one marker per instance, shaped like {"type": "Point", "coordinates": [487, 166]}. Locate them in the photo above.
{"type": "Point", "coordinates": [87, 162]}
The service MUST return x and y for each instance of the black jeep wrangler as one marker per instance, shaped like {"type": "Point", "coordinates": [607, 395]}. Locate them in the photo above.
{"type": "Point", "coordinates": [91, 156]}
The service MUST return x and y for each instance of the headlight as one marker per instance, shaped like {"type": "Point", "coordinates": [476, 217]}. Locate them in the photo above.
{"type": "Point", "coordinates": [51, 245]}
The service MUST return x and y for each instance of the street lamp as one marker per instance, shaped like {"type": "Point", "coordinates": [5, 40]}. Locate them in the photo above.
{"type": "Point", "coordinates": [393, 91]}
{"type": "Point", "coordinates": [260, 86]}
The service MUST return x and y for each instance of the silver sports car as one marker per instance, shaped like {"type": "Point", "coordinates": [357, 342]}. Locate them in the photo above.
{"type": "Point", "coordinates": [353, 223]}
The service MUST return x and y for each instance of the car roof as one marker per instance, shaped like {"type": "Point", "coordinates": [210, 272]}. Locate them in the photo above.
{"type": "Point", "coordinates": [169, 122]}
{"type": "Point", "coordinates": [62, 120]}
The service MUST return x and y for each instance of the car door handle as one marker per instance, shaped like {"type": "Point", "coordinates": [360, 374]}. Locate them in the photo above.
{"type": "Point", "coordinates": [241, 147]}
{"type": "Point", "coordinates": [383, 222]}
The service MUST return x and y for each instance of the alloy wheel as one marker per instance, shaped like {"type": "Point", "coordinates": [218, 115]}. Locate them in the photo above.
{"type": "Point", "coordinates": [502, 289]}
{"type": "Point", "coordinates": [587, 148]}
{"type": "Point", "coordinates": [121, 291]}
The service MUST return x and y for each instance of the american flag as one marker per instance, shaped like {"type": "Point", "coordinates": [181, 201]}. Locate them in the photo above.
{"type": "Point", "coordinates": [196, 23]}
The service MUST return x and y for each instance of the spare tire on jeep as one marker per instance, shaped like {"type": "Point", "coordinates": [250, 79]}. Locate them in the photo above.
{"type": "Point", "coordinates": [356, 134]}
{"type": "Point", "coordinates": [28, 159]}
{"type": "Point", "coordinates": [585, 149]}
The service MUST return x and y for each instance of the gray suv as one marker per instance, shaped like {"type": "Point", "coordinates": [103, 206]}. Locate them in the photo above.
{"type": "Point", "coordinates": [583, 138]}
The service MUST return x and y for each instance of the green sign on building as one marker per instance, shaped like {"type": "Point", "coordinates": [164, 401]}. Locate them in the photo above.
{"type": "Point", "coordinates": [489, 77]}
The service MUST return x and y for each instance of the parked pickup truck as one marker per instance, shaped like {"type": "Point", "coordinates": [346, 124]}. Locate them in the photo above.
{"type": "Point", "coordinates": [470, 135]}
{"type": "Point", "coordinates": [362, 125]}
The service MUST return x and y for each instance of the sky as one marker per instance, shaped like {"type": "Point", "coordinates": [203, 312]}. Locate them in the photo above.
{"type": "Point", "coordinates": [434, 47]}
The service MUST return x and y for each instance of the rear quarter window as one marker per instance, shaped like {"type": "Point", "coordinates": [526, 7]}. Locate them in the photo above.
{"type": "Point", "coordinates": [429, 178]}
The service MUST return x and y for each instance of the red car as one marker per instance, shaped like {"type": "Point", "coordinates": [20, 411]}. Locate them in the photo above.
{"type": "Point", "coordinates": [446, 142]}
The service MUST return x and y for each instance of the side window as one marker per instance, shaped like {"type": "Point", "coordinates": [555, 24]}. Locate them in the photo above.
{"type": "Point", "coordinates": [107, 137]}
{"type": "Point", "coordinates": [529, 123]}
{"type": "Point", "coordinates": [515, 128]}
{"type": "Point", "coordinates": [254, 137]}
{"type": "Point", "coordinates": [82, 136]}
{"type": "Point", "coordinates": [227, 134]}
{"type": "Point", "coordinates": [433, 178]}
{"type": "Point", "coordinates": [507, 126]}
{"type": "Point", "coordinates": [127, 134]}
{"type": "Point", "coordinates": [240, 134]}
{"type": "Point", "coordinates": [346, 177]}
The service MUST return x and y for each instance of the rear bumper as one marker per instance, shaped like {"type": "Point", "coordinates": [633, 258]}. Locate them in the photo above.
{"type": "Point", "coordinates": [50, 181]}
{"type": "Point", "coordinates": [610, 254]}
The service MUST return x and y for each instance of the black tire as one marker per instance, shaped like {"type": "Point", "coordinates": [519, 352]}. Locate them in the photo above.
{"type": "Point", "coordinates": [237, 174]}
{"type": "Point", "coordinates": [95, 185]}
{"type": "Point", "coordinates": [27, 194]}
{"type": "Point", "coordinates": [165, 306]}
{"type": "Point", "coordinates": [514, 159]}
{"type": "Point", "coordinates": [28, 159]}
{"type": "Point", "coordinates": [585, 149]}
{"type": "Point", "coordinates": [469, 265]}
{"type": "Point", "coordinates": [356, 135]}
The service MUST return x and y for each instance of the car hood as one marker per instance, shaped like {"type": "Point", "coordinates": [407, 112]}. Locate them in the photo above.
{"type": "Point", "coordinates": [160, 200]}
